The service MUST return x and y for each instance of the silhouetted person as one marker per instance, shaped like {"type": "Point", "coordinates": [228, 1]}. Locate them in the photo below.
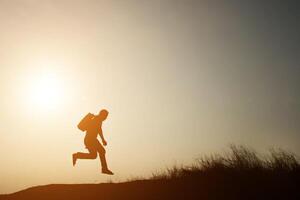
{"type": "Point", "coordinates": [92, 143]}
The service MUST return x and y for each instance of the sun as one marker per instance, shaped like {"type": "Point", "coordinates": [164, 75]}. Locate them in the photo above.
{"type": "Point", "coordinates": [46, 92]}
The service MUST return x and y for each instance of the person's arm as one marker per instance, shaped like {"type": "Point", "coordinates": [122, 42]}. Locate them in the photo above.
{"type": "Point", "coordinates": [101, 136]}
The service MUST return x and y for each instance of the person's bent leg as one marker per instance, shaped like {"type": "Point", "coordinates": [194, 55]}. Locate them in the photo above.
{"type": "Point", "coordinates": [79, 155]}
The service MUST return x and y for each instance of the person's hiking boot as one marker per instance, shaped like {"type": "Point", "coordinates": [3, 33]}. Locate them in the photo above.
{"type": "Point", "coordinates": [107, 171]}
{"type": "Point", "coordinates": [74, 158]}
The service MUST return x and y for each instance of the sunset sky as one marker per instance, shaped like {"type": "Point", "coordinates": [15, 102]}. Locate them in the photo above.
{"type": "Point", "coordinates": [180, 78]}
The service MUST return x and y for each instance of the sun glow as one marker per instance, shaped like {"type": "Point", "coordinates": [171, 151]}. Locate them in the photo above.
{"type": "Point", "coordinates": [46, 92]}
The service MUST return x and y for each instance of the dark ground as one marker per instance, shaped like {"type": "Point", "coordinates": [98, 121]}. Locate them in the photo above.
{"type": "Point", "coordinates": [225, 188]}
{"type": "Point", "coordinates": [240, 175]}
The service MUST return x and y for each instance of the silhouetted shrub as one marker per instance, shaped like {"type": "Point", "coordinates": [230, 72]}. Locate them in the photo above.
{"type": "Point", "coordinates": [238, 160]}
{"type": "Point", "coordinates": [282, 160]}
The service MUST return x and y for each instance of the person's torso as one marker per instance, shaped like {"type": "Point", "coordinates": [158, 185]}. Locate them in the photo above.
{"type": "Point", "coordinates": [93, 129]}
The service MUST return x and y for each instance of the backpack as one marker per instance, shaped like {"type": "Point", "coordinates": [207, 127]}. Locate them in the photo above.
{"type": "Point", "coordinates": [85, 123]}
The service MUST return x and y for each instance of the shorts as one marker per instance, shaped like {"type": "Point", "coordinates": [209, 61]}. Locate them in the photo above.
{"type": "Point", "coordinates": [94, 145]}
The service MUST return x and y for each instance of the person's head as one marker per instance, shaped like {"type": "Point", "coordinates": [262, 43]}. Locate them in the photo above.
{"type": "Point", "coordinates": [103, 114]}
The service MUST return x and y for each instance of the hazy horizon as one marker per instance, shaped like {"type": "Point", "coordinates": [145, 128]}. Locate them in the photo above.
{"type": "Point", "coordinates": [180, 79]}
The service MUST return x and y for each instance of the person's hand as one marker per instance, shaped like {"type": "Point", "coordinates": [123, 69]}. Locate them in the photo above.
{"type": "Point", "coordinates": [104, 142]}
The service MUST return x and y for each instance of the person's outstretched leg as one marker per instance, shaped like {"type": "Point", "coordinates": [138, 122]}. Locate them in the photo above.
{"type": "Point", "coordinates": [103, 162]}
{"type": "Point", "coordinates": [105, 169]}
{"type": "Point", "coordinates": [79, 155]}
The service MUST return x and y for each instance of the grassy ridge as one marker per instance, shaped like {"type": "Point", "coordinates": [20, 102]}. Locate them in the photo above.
{"type": "Point", "coordinates": [238, 160]}
{"type": "Point", "coordinates": [241, 173]}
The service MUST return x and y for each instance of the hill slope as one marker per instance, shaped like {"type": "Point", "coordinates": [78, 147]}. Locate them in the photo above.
{"type": "Point", "coordinates": [239, 175]}
{"type": "Point", "coordinates": [163, 189]}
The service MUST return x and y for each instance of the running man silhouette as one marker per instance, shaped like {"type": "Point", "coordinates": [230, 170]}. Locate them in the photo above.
{"type": "Point", "coordinates": [92, 143]}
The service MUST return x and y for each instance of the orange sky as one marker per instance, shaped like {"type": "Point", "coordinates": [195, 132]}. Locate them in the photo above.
{"type": "Point", "coordinates": [177, 78]}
